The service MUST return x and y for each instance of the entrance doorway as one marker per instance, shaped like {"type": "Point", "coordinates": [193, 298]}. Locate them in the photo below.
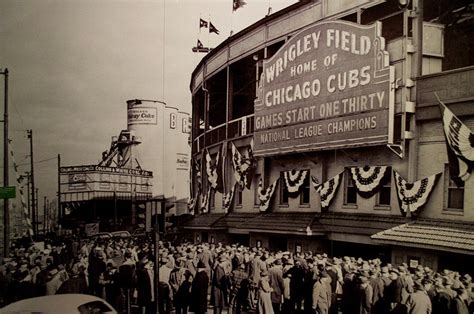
{"type": "Point", "coordinates": [278, 243]}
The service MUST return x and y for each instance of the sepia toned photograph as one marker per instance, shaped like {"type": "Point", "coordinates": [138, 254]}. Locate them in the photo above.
{"type": "Point", "coordinates": [237, 156]}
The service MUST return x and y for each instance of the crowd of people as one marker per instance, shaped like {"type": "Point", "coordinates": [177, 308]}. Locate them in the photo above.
{"type": "Point", "coordinates": [235, 278]}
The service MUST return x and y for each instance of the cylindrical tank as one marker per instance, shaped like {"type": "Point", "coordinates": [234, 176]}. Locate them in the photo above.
{"type": "Point", "coordinates": [146, 119]}
{"type": "Point", "coordinates": [182, 162]}
{"type": "Point", "coordinates": [163, 131]}
{"type": "Point", "coordinates": [172, 141]}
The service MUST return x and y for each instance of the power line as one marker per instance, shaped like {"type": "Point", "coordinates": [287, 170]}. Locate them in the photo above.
{"type": "Point", "coordinates": [36, 162]}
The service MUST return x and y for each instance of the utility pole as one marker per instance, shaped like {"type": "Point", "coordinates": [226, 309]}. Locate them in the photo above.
{"type": "Point", "coordinates": [45, 212]}
{"type": "Point", "coordinates": [34, 214]}
{"type": "Point", "coordinates": [28, 193]}
{"type": "Point", "coordinates": [59, 191]}
{"type": "Point", "coordinates": [6, 209]}
{"type": "Point", "coordinates": [36, 209]}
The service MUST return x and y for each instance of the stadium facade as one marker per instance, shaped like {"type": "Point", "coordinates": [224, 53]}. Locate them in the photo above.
{"type": "Point", "coordinates": [319, 128]}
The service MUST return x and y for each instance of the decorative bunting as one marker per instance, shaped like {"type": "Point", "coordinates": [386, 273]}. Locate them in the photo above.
{"type": "Point", "coordinates": [205, 201]}
{"type": "Point", "coordinates": [196, 174]}
{"type": "Point", "coordinates": [214, 171]}
{"type": "Point", "coordinates": [213, 29]}
{"type": "Point", "coordinates": [192, 204]}
{"type": "Point", "coordinates": [294, 180]}
{"type": "Point", "coordinates": [327, 190]}
{"type": "Point", "coordinates": [265, 195]}
{"type": "Point", "coordinates": [228, 198]}
{"type": "Point", "coordinates": [460, 145]}
{"type": "Point", "coordinates": [368, 179]}
{"type": "Point", "coordinates": [244, 168]}
{"type": "Point", "coordinates": [238, 4]}
{"type": "Point", "coordinates": [412, 196]}
{"type": "Point", "coordinates": [19, 179]}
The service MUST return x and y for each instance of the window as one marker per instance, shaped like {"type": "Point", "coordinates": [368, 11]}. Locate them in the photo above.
{"type": "Point", "coordinates": [304, 195]}
{"type": "Point", "coordinates": [212, 201]}
{"type": "Point", "coordinates": [383, 197]}
{"type": "Point", "coordinates": [454, 193]}
{"type": "Point", "coordinates": [238, 195]}
{"type": "Point", "coordinates": [283, 190]}
{"type": "Point", "coordinates": [350, 189]}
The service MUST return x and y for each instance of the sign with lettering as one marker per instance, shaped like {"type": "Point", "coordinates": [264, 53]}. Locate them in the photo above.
{"type": "Point", "coordinates": [328, 87]}
{"type": "Point", "coordinates": [103, 169]}
{"type": "Point", "coordinates": [77, 181]}
{"type": "Point", "coordinates": [142, 115]}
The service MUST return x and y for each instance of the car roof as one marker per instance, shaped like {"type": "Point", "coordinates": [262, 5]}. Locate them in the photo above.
{"type": "Point", "coordinates": [120, 232]}
{"type": "Point", "coordinates": [59, 303]}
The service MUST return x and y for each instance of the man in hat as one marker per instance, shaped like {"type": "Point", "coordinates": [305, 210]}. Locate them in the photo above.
{"type": "Point", "coordinates": [199, 290]}
{"type": "Point", "coordinates": [322, 294]}
{"type": "Point", "coordinates": [364, 295]}
{"type": "Point", "coordinates": [219, 286]}
{"type": "Point", "coordinates": [377, 285]}
{"type": "Point", "coordinates": [442, 300]}
{"type": "Point", "coordinates": [180, 282]}
{"type": "Point", "coordinates": [418, 302]}
{"type": "Point", "coordinates": [74, 284]}
{"type": "Point", "coordinates": [239, 282]}
{"type": "Point", "coordinates": [297, 273]}
{"type": "Point", "coordinates": [54, 281]}
{"type": "Point", "coordinates": [275, 274]}
{"type": "Point", "coordinates": [459, 305]}
{"type": "Point", "coordinates": [146, 286]}
{"type": "Point", "coordinates": [393, 292]}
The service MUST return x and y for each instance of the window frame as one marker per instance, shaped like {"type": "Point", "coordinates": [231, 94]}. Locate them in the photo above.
{"type": "Point", "coordinates": [306, 188]}
{"type": "Point", "coordinates": [283, 191]}
{"type": "Point", "coordinates": [449, 185]}
{"type": "Point", "coordinates": [387, 184]}
{"type": "Point", "coordinates": [348, 183]}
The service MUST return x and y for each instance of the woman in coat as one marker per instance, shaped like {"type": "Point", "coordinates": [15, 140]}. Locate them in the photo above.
{"type": "Point", "coordinates": [264, 295]}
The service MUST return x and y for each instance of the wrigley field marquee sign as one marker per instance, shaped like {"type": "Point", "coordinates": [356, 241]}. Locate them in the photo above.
{"type": "Point", "coordinates": [328, 87]}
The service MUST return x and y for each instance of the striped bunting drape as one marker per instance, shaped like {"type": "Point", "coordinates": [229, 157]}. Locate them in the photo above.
{"type": "Point", "coordinates": [368, 179]}
{"type": "Point", "coordinates": [26, 217]}
{"type": "Point", "coordinates": [205, 201]}
{"type": "Point", "coordinates": [327, 190]}
{"type": "Point", "coordinates": [294, 179]}
{"type": "Point", "coordinates": [460, 145]}
{"type": "Point", "coordinates": [265, 194]}
{"type": "Point", "coordinates": [228, 197]}
{"type": "Point", "coordinates": [412, 196]}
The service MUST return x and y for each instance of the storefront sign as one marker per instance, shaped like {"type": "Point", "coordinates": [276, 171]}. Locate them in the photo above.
{"type": "Point", "coordinates": [142, 115]}
{"type": "Point", "coordinates": [77, 181]}
{"type": "Point", "coordinates": [328, 87]}
{"type": "Point", "coordinates": [102, 169]}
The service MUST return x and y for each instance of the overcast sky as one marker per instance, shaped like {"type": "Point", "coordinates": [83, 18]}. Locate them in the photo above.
{"type": "Point", "coordinates": [74, 63]}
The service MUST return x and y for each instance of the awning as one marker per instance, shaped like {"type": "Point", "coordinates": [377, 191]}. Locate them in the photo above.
{"type": "Point", "coordinates": [235, 220]}
{"type": "Point", "coordinates": [434, 235]}
{"type": "Point", "coordinates": [295, 223]}
{"type": "Point", "coordinates": [356, 223]}
{"type": "Point", "coordinates": [204, 222]}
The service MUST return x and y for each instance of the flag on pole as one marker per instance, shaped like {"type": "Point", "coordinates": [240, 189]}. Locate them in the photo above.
{"type": "Point", "coordinates": [199, 44]}
{"type": "Point", "coordinates": [202, 23]}
{"type": "Point", "coordinates": [238, 4]}
{"type": "Point", "coordinates": [213, 29]}
{"type": "Point", "coordinates": [460, 144]}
